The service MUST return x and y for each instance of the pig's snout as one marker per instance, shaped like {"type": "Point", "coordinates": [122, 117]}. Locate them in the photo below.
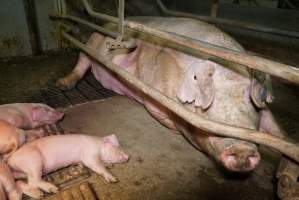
{"type": "Point", "coordinates": [240, 158]}
{"type": "Point", "coordinates": [125, 157]}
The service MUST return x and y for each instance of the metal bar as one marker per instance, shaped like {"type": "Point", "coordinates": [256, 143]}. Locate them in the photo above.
{"type": "Point", "coordinates": [30, 11]}
{"type": "Point", "coordinates": [86, 23]}
{"type": "Point", "coordinates": [214, 8]}
{"type": "Point", "coordinates": [280, 70]}
{"type": "Point", "coordinates": [121, 17]}
{"type": "Point", "coordinates": [288, 148]}
{"type": "Point", "coordinates": [228, 22]}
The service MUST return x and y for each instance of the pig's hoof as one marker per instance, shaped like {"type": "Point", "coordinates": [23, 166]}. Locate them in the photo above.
{"type": "Point", "coordinates": [110, 179]}
{"type": "Point", "coordinates": [48, 187]}
{"type": "Point", "coordinates": [34, 193]}
{"type": "Point", "coordinates": [63, 84]}
{"type": "Point", "coordinates": [53, 189]}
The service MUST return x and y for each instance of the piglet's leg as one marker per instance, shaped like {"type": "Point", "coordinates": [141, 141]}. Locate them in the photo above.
{"type": "Point", "coordinates": [34, 134]}
{"type": "Point", "coordinates": [288, 170]}
{"type": "Point", "coordinates": [33, 167]}
{"type": "Point", "coordinates": [95, 164]}
{"type": "Point", "coordinates": [29, 190]}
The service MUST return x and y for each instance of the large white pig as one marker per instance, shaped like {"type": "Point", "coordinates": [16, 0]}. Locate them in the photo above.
{"type": "Point", "coordinates": [216, 92]}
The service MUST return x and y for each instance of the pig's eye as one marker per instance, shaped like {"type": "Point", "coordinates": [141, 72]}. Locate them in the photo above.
{"type": "Point", "coordinates": [195, 78]}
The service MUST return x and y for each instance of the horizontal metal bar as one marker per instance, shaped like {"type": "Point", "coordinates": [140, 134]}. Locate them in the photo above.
{"type": "Point", "coordinates": [288, 148]}
{"type": "Point", "coordinates": [86, 23]}
{"type": "Point", "coordinates": [280, 70]}
{"type": "Point", "coordinates": [229, 22]}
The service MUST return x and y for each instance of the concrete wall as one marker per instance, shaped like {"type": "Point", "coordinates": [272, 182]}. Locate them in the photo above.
{"type": "Point", "coordinates": [14, 39]}
{"type": "Point", "coordinates": [48, 30]}
{"type": "Point", "coordinates": [14, 35]}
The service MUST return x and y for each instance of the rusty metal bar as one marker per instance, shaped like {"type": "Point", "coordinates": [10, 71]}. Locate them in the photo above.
{"type": "Point", "coordinates": [288, 148]}
{"type": "Point", "coordinates": [265, 65]}
{"type": "Point", "coordinates": [228, 22]}
{"type": "Point", "coordinates": [214, 8]}
{"type": "Point", "coordinates": [121, 17]}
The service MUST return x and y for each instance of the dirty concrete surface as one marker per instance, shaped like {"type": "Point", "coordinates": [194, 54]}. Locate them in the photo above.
{"type": "Point", "coordinates": [163, 164]}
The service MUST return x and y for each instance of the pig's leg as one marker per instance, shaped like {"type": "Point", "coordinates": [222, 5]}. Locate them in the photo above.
{"type": "Point", "coordinates": [288, 171]}
{"type": "Point", "coordinates": [95, 164]}
{"type": "Point", "coordinates": [82, 65]}
{"type": "Point", "coordinates": [29, 190]}
{"type": "Point", "coordinates": [160, 114]}
{"type": "Point", "coordinates": [69, 81]}
{"type": "Point", "coordinates": [34, 134]}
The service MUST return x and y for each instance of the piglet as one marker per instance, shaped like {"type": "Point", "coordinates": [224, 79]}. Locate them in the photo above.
{"type": "Point", "coordinates": [29, 115]}
{"type": "Point", "coordinates": [11, 138]}
{"type": "Point", "coordinates": [50, 153]}
{"type": "Point", "coordinates": [8, 187]}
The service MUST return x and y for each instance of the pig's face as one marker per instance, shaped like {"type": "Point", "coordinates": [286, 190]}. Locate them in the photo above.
{"type": "Point", "coordinates": [197, 85]}
{"type": "Point", "coordinates": [111, 151]}
{"type": "Point", "coordinates": [45, 115]}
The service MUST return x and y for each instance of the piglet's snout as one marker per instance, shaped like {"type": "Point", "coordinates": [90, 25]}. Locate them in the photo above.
{"type": "Point", "coordinates": [125, 157]}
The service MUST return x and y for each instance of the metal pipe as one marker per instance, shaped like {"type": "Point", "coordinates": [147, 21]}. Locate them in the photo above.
{"type": "Point", "coordinates": [32, 24]}
{"type": "Point", "coordinates": [265, 65]}
{"type": "Point", "coordinates": [121, 17]}
{"type": "Point", "coordinates": [228, 22]}
{"type": "Point", "coordinates": [214, 8]}
{"type": "Point", "coordinates": [86, 23]}
{"type": "Point", "coordinates": [288, 148]}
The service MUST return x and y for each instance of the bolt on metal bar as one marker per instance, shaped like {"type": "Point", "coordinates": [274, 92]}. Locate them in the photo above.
{"type": "Point", "coordinates": [280, 70]}
{"type": "Point", "coordinates": [286, 147]}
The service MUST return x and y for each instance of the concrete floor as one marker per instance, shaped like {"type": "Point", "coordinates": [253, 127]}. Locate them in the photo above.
{"type": "Point", "coordinates": [162, 165]}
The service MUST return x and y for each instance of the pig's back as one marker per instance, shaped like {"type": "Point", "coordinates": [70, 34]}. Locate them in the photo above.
{"type": "Point", "coordinates": [191, 28]}
{"type": "Point", "coordinates": [60, 150]}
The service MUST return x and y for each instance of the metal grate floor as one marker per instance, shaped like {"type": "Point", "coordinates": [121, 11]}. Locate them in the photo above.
{"type": "Point", "coordinates": [88, 89]}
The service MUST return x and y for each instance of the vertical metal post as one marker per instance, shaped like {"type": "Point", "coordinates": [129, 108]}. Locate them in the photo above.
{"type": "Point", "coordinates": [121, 18]}
{"type": "Point", "coordinates": [214, 8]}
{"type": "Point", "coordinates": [31, 18]}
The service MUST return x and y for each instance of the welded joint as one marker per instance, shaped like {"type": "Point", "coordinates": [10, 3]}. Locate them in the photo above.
{"type": "Point", "coordinates": [119, 43]}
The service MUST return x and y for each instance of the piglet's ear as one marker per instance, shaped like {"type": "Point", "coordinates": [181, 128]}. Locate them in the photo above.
{"type": "Point", "coordinates": [112, 139]}
{"type": "Point", "coordinates": [38, 113]}
{"type": "Point", "coordinates": [206, 92]}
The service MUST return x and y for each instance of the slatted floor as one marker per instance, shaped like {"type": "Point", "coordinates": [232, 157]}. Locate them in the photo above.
{"type": "Point", "coordinates": [87, 89]}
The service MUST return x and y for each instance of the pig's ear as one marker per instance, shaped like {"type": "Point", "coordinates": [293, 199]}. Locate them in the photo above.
{"type": "Point", "coordinates": [259, 94]}
{"type": "Point", "coordinates": [206, 91]}
{"type": "Point", "coordinates": [112, 139]}
{"type": "Point", "coordinates": [39, 113]}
